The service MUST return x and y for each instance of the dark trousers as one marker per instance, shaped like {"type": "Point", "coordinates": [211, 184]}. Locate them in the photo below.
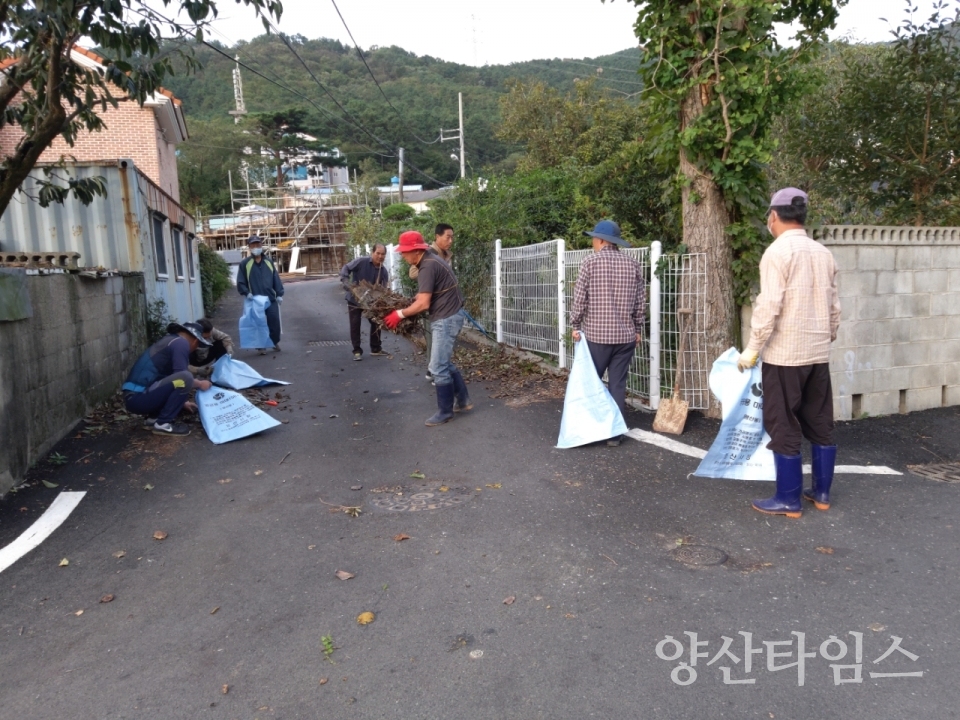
{"type": "Point", "coordinates": [615, 361]}
{"type": "Point", "coordinates": [164, 399]}
{"type": "Point", "coordinates": [273, 321]}
{"type": "Point", "coordinates": [797, 402]}
{"type": "Point", "coordinates": [356, 316]}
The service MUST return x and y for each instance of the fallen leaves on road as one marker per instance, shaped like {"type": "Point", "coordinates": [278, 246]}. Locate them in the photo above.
{"type": "Point", "coordinates": [823, 550]}
{"type": "Point", "coordinates": [324, 681]}
{"type": "Point", "coordinates": [258, 472]}
{"type": "Point", "coordinates": [159, 535]}
{"type": "Point", "coordinates": [495, 486]}
{"type": "Point", "coordinates": [365, 618]}
{"type": "Point", "coordinates": [120, 553]}
{"type": "Point", "coordinates": [49, 484]}
{"type": "Point", "coordinates": [224, 481]}
{"type": "Point", "coordinates": [107, 598]}
{"type": "Point", "coordinates": [418, 475]}
{"type": "Point", "coordinates": [148, 486]}
{"type": "Point", "coordinates": [64, 563]}
{"type": "Point", "coordinates": [225, 689]}
{"type": "Point", "coordinates": [344, 575]}
{"type": "Point", "coordinates": [510, 600]}
{"type": "Point", "coordinates": [444, 488]}
{"type": "Point", "coordinates": [214, 611]}
{"type": "Point", "coordinates": [78, 613]}
{"type": "Point", "coordinates": [401, 537]}
{"type": "Point", "coordinates": [877, 627]}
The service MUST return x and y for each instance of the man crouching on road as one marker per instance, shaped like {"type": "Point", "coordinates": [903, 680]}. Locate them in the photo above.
{"type": "Point", "coordinates": [439, 293]}
{"type": "Point", "coordinates": [159, 384]}
{"type": "Point", "coordinates": [608, 305]}
{"type": "Point", "coordinates": [795, 318]}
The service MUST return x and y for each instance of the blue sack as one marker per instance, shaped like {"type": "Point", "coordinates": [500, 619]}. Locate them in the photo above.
{"type": "Point", "coordinates": [740, 450]}
{"type": "Point", "coordinates": [254, 332]}
{"type": "Point", "coordinates": [227, 415]}
{"type": "Point", "coordinates": [231, 373]}
{"type": "Point", "coordinates": [590, 413]}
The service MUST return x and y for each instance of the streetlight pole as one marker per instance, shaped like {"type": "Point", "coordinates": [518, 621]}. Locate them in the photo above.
{"type": "Point", "coordinates": [400, 176]}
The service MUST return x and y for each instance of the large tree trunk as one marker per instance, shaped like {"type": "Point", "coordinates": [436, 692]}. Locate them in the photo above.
{"type": "Point", "coordinates": [705, 219]}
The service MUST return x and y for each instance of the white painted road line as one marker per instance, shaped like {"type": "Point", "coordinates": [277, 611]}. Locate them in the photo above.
{"type": "Point", "coordinates": [53, 518]}
{"type": "Point", "coordinates": [684, 449]}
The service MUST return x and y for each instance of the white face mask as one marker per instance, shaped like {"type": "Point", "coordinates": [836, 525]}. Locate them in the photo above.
{"type": "Point", "coordinates": [769, 229]}
{"type": "Point", "coordinates": [256, 252]}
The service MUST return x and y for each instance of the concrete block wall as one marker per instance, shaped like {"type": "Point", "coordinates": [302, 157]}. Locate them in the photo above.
{"type": "Point", "coordinates": [71, 355]}
{"type": "Point", "coordinates": [898, 348]}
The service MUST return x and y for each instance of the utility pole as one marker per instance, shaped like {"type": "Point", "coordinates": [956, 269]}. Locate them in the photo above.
{"type": "Point", "coordinates": [238, 93]}
{"type": "Point", "coordinates": [458, 136]}
{"type": "Point", "coordinates": [400, 176]}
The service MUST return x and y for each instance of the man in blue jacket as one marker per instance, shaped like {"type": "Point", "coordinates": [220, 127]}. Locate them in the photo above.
{"type": "Point", "coordinates": [372, 270]}
{"type": "Point", "coordinates": [259, 276]}
{"type": "Point", "coordinates": [159, 384]}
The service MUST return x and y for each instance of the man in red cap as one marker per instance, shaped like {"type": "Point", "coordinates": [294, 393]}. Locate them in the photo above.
{"type": "Point", "coordinates": [438, 293]}
{"type": "Point", "coordinates": [795, 318]}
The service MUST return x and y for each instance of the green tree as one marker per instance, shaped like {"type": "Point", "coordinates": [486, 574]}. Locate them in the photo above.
{"type": "Point", "coordinates": [286, 138]}
{"type": "Point", "coordinates": [214, 149]}
{"type": "Point", "coordinates": [599, 140]}
{"type": "Point", "coordinates": [715, 77]}
{"type": "Point", "coordinates": [882, 137]}
{"type": "Point", "coordinates": [47, 95]}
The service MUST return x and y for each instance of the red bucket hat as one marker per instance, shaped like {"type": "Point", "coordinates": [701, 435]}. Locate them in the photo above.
{"type": "Point", "coordinates": [410, 241]}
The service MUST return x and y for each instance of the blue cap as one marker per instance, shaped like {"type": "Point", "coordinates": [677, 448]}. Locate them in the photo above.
{"type": "Point", "coordinates": [608, 230]}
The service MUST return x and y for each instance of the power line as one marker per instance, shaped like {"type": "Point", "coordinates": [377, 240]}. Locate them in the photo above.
{"type": "Point", "coordinates": [291, 91]}
{"type": "Point", "coordinates": [345, 112]}
{"type": "Point", "coordinates": [376, 82]}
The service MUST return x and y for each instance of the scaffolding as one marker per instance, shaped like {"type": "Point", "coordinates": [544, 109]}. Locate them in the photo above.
{"type": "Point", "coordinates": [303, 228]}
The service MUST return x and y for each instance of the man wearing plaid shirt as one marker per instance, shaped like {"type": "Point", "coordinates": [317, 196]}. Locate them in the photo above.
{"type": "Point", "coordinates": [795, 318]}
{"type": "Point", "coordinates": [608, 305]}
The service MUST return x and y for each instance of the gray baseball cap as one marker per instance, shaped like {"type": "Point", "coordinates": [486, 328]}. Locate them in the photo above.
{"type": "Point", "coordinates": [787, 196]}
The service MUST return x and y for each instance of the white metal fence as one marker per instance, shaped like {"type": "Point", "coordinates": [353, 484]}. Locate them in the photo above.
{"type": "Point", "coordinates": [532, 291]}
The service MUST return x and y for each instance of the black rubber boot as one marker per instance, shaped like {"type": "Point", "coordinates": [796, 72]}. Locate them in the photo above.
{"type": "Point", "coordinates": [824, 459]}
{"type": "Point", "coordinates": [444, 406]}
{"type": "Point", "coordinates": [461, 396]}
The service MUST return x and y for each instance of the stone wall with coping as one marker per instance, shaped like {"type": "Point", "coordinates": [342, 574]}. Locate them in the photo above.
{"type": "Point", "coordinates": [72, 354]}
{"type": "Point", "coordinates": [898, 347]}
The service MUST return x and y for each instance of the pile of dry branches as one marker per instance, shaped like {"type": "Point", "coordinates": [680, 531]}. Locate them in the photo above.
{"type": "Point", "coordinates": [378, 301]}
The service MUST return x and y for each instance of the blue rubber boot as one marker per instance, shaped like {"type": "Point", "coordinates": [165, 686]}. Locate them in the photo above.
{"type": "Point", "coordinates": [786, 501]}
{"type": "Point", "coordinates": [461, 396]}
{"type": "Point", "coordinates": [824, 459]}
{"type": "Point", "coordinates": [444, 406]}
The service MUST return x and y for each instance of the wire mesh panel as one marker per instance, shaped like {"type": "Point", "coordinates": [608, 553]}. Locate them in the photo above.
{"type": "Point", "coordinates": [638, 381]}
{"type": "Point", "coordinates": [683, 282]}
{"type": "Point", "coordinates": [528, 282]}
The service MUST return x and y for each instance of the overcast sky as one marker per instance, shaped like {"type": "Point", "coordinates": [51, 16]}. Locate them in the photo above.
{"type": "Point", "coordinates": [479, 32]}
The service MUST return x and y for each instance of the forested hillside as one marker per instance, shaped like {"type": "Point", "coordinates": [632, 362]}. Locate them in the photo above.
{"type": "Point", "coordinates": [415, 98]}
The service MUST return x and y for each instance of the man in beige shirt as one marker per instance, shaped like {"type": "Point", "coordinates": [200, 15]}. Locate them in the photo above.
{"type": "Point", "coordinates": [795, 318]}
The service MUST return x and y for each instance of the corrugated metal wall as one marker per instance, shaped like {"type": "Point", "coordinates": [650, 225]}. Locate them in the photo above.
{"type": "Point", "coordinates": [113, 232]}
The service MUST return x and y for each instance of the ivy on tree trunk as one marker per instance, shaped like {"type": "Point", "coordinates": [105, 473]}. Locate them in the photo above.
{"type": "Point", "coordinates": [715, 77]}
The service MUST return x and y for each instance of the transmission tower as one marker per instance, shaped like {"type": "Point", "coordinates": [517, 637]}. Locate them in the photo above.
{"type": "Point", "coordinates": [238, 93]}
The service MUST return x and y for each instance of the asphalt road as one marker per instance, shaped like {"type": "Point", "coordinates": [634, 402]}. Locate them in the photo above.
{"type": "Point", "coordinates": [225, 618]}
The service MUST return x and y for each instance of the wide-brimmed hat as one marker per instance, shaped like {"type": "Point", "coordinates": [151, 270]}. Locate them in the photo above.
{"type": "Point", "coordinates": [608, 230]}
{"type": "Point", "coordinates": [192, 328]}
{"type": "Point", "coordinates": [411, 240]}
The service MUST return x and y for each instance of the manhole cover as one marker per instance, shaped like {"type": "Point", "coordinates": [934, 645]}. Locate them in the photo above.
{"type": "Point", "coordinates": [699, 555]}
{"type": "Point", "coordinates": [942, 472]}
{"type": "Point", "coordinates": [420, 498]}
{"type": "Point", "coordinates": [327, 343]}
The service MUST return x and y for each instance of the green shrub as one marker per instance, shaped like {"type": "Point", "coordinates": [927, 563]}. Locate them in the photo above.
{"type": "Point", "coordinates": [397, 212]}
{"type": "Point", "coordinates": [157, 320]}
{"type": "Point", "coordinates": [214, 278]}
